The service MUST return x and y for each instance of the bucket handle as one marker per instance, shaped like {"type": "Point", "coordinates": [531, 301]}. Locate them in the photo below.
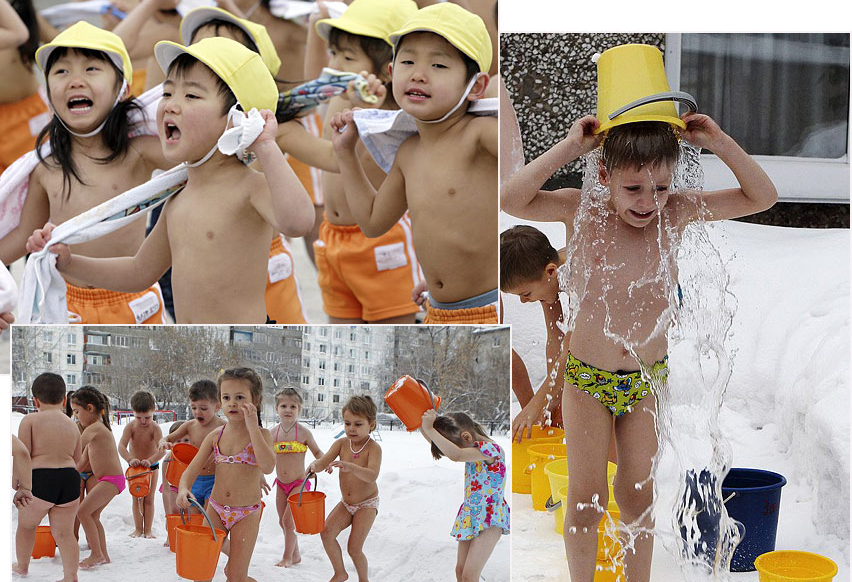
{"type": "Point", "coordinates": [128, 478]}
{"type": "Point", "coordinates": [678, 96]}
{"type": "Point", "coordinates": [550, 505]}
{"type": "Point", "coordinates": [429, 390]}
{"type": "Point", "coordinates": [302, 490]}
{"type": "Point", "coordinates": [204, 513]}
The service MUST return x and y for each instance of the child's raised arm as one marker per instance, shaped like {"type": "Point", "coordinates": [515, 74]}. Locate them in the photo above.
{"type": "Point", "coordinates": [323, 462]}
{"type": "Point", "coordinates": [261, 439]}
{"type": "Point", "coordinates": [315, 151]}
{"type": "Point", "coordinates": [756, 192]}
{"type": "Point", "coordinates": [128, 29]}
{"type": "Point", "coordinates": [451, 450]}
{"type": "Point", "coordinates": [13, 31]}
{"type": "Point", "coordinates": [167, 441]}
{"type": "Point", "coordinates": [521, 194]}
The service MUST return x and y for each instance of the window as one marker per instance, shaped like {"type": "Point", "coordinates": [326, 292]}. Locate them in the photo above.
{"type": "Point", "coordinates": [351, 352]}
{"type": "Point", "coordinates": [338, 334]}
{"type": "Point", "coordinates": [48, 357]}
{"type": "Point", "coordinates": [321, 381]}
{"type": "Point", "coordinates": [48, 336]}
{"type": "Point", "coordinates": [367, 355]}
{"type": "Point", "coordinates": [308, 346]}
{"type": "Point", "coordinates": [71, 379]}
{"type": "Point", "coordinates": [96, 340]}
{"type": "Point", "coordinates": [350, 368]}
{"type": "Point", "coordinates": [337, 350]}
{"type": "Point", "coordinates": [322, 348]}
{"type": "Point", "coordinates": [336, 366]}
{"type": "Point", "coordinates": [352, 336]}
{"type": "Point", "coordinates": [96, 360]}
{"type": "Point", "coordinates": [365, 386]}
{"type": "Point", "coordinates": [242, 337]}
{"type": "Point", "coordinates": [495, 342]}
{"type": "Point", "coordinates": [335, 398]}
{"type": "Point", "coordinates": [365, 370]}
{"type": "Point", "coordinates": [320, 397]}
{"type": "Point", "coordinates": [71, 339]}
{"type": "Point", "coordinates": [799, 132]}
{"type": "Point", "coordinates": [121, 341]}
{"type": "Point", "coordinates": [306, 362]}
{"type": "Point", "coordinates": [306, 379]}
{"type": "Point", "coordinates": [323, 332]}
{"type": "Point", "coordinates": [71, 359]}
{"type": "Point", "coordinates": [336, 384]}
{"type": "Point", "coordinates": [322, 364]}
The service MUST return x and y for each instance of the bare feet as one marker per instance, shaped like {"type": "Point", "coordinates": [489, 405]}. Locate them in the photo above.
{"type": "Point", "coordinates": [136, 533]}
{"type": "Point", "coordinates": [166, 544]}
{"type": "Point", "coordinates": [150, 536]}
{"type": "Point", "coordinates": [22, 570]}
{"type": "Point", "coordinates": [339, 577]}
{"type": "Point", "coordinates": [74, 579]}
{"type": "Point", "coordinates": [91, 562]}
{"type": "Point", "coordinates": [285, 562]}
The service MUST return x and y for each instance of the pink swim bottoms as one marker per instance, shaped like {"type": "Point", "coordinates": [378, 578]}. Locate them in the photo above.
{"type": "Point", "coordinates": [287, 488]}
{"type": "Point", "coordinates": [117, 480]}
{"type": "Point", "coordinates": [372, 503]}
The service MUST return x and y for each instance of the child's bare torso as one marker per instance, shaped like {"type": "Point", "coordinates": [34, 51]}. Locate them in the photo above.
{"type": "Point", "coordinates": [626, 295]}
{"type": "Point", "coordinates": [353, 489]}
{"type": "Point", "coordinates": [102, 452]}
{"type": "Point", "coordinates": [451, 189]}
{"type": "Point", "coordinates": [219, 246]}
{"type": "Point", "coordinates": [20, 80]}
{"type": "Point", "coordinates": [237, 484]}
{"type": "Point", "coordinates": [143, 440]}
{"type": "Point", "coordinates": [197, 432]}
{"type": "Point", "coordinates": [54, 439]}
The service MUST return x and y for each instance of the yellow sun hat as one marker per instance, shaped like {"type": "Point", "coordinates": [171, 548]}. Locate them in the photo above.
{"type": "Point", "coordinates": [463, 29]}
{"type": "Point", "coordinates": [632, 87]}
{"type": "Point", "coordinates": [198, 17]}
{"type": "Point", "coordinates": [375, 18]}
{"type": "Point", "coordinates": [240, 68]}
{"type": "Point", "coordinates": [83, 35]}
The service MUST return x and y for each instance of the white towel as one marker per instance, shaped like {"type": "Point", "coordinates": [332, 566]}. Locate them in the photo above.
{"type": "Point", "coordinates": [299, 11]}
{"type": "Point", "coordinates": [383, 130]}
{"type": "Point", "coordinates": [8, 291]}
{"type": "Point", "coordinates": [62, 15]}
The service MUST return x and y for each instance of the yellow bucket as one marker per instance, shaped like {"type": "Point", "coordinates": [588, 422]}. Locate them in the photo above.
{"type": "Point", "coordinates": [793, 566]}
{"type": "Point", "coordinates": [521, 482]}
{"type": "Point", "coordinates": [632, 86]}
{"type": "Point", "coordinates": [557, 474]}
{"type": "Point", "coordinates": [608, 548]}
{"type": "Point", "coordinates": [606, 574]}
{"type": "Point", "coordinates": [541, 456]}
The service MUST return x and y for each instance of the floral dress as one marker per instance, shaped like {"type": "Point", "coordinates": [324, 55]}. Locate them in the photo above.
{"type": "Point", "coordinates": [484, 505]}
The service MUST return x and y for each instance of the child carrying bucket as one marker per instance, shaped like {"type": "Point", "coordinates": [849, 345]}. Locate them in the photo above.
{"type": "Point", "coordinates": [617, 353]}
{"type": "Point", "coordinates": [359, 459]}
{"type": "Point", "coordinates": [169, 491]}
{"type": "Point", "coordinates": [242, 451]}
{"type": "Point", "coordinates": [291, 440]}
{"type": "Point", "coordinates": [484, 514]}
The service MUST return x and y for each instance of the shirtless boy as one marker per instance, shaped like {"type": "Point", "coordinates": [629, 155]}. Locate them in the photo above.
{"type": "Point", "coordinates": [143, 436]}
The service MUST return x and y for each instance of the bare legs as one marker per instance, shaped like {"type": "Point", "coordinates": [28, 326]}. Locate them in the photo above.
{"type": "Point", "coordinates": [291, 540]}
{"type": "Point", "coordinates": [89, 514]}
{"type": "Point", "coordinates": [338, 520]}
{"type": "Point", "coordinates": [473, 554]}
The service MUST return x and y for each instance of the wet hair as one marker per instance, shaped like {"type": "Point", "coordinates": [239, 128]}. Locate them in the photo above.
{"type": "Point", "coordinates": [27, 13]}
{"type": "Point", "coordinates": [185, 62]}
{"type": "Point", "coordinates": [362, 406]}
{"type": "Point", "coordinates": [643, 143]}
{"type": "Point", "coordinates": [377, 50]}
{"type": "Point", "coordinates": [451, 426]}
{"type": "Point", "coordinates": [176, 425]}
{"type": "Point", "coordinates": [204, 390]}
{"type": "Point", "coordinates": [114, 132]}
{"type": "Point", "coordinates": [254, 382]}
{"type": "Point", "coordinates": [471, 67]}
{"type": "Point", "coordinates": [142, 401]}
{"type": "Point", "coordinates": [240, 35]}
{"type": "Point", "coordinates": [90, 395]}
{"type": "Point", "coordinates": [49, 388]}
{"type": "Point", "coordinates": [524, 254]}
{"type": "Point", "coordinates": [289, 393]}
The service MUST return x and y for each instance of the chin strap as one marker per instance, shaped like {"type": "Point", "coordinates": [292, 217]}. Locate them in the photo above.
{"type": "Point", "coordinates": [463, 97]}
{"type": "Point", "coordinates": [97, 130]}
{"type": "Point", "coordinates": [237, 139]}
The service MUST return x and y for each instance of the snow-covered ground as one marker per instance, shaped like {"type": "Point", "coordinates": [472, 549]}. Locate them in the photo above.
{"type": "Point", "coordinates": [410, 539]}
{"type": "Point", "coordinates": [788, 402]}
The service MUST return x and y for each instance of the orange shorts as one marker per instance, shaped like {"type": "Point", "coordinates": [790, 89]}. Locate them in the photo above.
{"type": "Point", "coordinates": [309, 176]}
{"type": "Point", "coordinates": [20, 123]}
{"type": "Point", "coordinates": [92, 306]}
{"type": "Point", "coordinates": [137, 84]}
{"type": "Point", "coordinates": [479, 314]}
{"type": "Point", "coordinates": [283, 299]}
{"type": "Point", "coordinates": [366, 278]}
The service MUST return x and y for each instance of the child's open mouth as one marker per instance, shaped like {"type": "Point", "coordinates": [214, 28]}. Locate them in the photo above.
{"type": "Point", "coordinates": [172, 132]}
{"type": "Point", "coordinates": [416, 95]}
{"type": "Point", "coordinates": [80, 105]}
{"type": "Point", "coordinates": [642, 215]}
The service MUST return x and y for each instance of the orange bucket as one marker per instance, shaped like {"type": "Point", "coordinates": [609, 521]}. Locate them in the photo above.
{"type": "Point", "coordinates": [45, 545]}
{"type": "Point", "coordinates": [308, 508]}
{"type": "Point", "coordinates": [175, 519]}
{"type": "Point", "coordinates": [138, 480]}
{"type": "Point", "coordinates": [182, 455]}
{"type": "Point", "coordinates": [409, 398]}
{"type": "Point", "coordinates": [198, 548]}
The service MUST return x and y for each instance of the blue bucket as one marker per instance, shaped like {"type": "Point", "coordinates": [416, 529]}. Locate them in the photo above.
{"type": "Point", "coordinates": [755, 503]}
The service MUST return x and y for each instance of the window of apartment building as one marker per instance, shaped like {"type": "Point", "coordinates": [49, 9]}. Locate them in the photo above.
{"type": "Point", "coordinates": [367, 355]}
{"type": "Point", "coordinates": [337, 350]}
{"type": "Point", "coordinates": [323, 348]}
{"type": "Point", "coordinates": [121, 341]}
{"type": "Point", "coordinates": [352, 336]}
{"type": "Point", "coordinates": [320, 397]}
{"type": "Point", "coordinates": [96, 360]}
{"type": "Point", "coordinates": [336, 383]}
{"type": "Point", "coordinates": [306, 379]}
{"type": "Point", "coordinates": [243, 337]}
{"type": "Point", "coordinates": [71, 359]}
{"type": "Point", "coordinates": [365, 386]}
{"type": "Point", "coordinates": [338, 334]}
{"type": "Point", "coordinates": [495, 342]}
{"type": "Point", "coordinates": [71, 379]}
{"type": "Point", "coordinates": [321, 381]}
{"type": "Point", "coordinates": [350, 368]}
{"type": "Point", "coordinates": [48, 336]}
{"type": "Point", "coordinates": [306, 362]}
{"type": "Point", "coordinates": [47, 357]}
{"type": "Point", "coordinates": [351, 352]}
{"type": "Point", "coordinates": [323, 331]}
{"type": "Point", "coordinates": [321, 364]}
{"type": "Point", "coordinates": [336, 366]}
{"type": "Point", "coordinates": [71, 339]}
{"type": "Point", "coordinates": [335, 398]}
{"type": "Point", "coordinates": [308, 346]}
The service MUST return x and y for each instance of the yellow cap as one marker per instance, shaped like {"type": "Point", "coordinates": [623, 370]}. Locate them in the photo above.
{"type": "Point", "coordinates": [375, 18]}
{"type": "Point", "coordinates": [241, 69]}
{"type": "Point", "coordinates": [629, 73]}
{"type": "Point", "coordinates": [464, 30]}
{"type": "Point", "coordinates": [83, 35]}
{"type": "Point", "coordinates": [198, 17]}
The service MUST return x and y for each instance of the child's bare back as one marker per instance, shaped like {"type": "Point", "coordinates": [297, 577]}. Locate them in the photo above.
{"type": "Point", "coordinates": [52, 439]}
{"type": "Point", "coordinates": [101, 452]}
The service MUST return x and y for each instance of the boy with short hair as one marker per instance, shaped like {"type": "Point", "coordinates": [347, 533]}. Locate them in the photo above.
{"type": "Point", "coordinates": [215, 234]}
{"type": "Point", "coordinates": [143, 436]}
{"type": "Point", "coordinates": [605, 381]}
{"type": "Point", "coordinates": [204, 403]}
{"type": "Point", "coordinates": [54, 445]}
{"type": "Point", "coordinates": [446, 174]}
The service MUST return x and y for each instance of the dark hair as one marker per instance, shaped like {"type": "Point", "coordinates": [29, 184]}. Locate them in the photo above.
{"type": "Point", "coordinates": [377, 50]}
{"type": "Point", "coordinates": [114, 132]}
{"type": "Point", "coordinates": [26, 11]}
{"type": "Point", "coordinates": [217, 23]}
{"type": "Point", "coordinates": [68, 411]}
{"type": "Point", "coordinates": [175, 425]}
{"type": "Point", "coordinates": [90, 395]}
{"type": "Point", "coordinates": [643, 143]}
{"type": "Point", "coordinates": [185, 62]}
{"type": "Point", "coordinates": [451, 426]}
{"type": "Point", "coordinates": [289, 393]}
{"type": "Point", "coordinates": [524, 253]}
{"type": "Point", "coordinates": [49, 388]}
{"type": "Point", "coordinates": [471, 67]}
{"type": "Point", "coordinates": [254, 382]}
{"type": "Point", "coordinates": [204, 390]}
{"type": "Point", "coordinates": [362, 406]}
{"type": "Point", "coordinates": [142, 401]}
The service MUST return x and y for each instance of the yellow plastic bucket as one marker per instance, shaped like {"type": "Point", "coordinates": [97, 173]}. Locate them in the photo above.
{"type": "Point", "coordinates": [521, 482]}
{"type": "Point", "coordinates": [604, 572]}
{"type": "Point", "coordinates": [608, 548]}
{"type": "Point", "coordinates": [557, 474]}
{"type": "Point", "coordinates": [540, 456]}
{"type": "Point", "coordinates": [559, 512]}
{"type": "Point", "coordinates": [632, 86]}
{"type": "Point", "coordinates": [794, 566]}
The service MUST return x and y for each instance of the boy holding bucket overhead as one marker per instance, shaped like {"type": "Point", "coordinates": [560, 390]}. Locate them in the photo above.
{"type": "Point", "coordinates": [617, 353]}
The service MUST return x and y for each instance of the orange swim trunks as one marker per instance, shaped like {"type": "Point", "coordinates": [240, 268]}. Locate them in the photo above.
{"type": "Point", "coordinates": [481, 309]}
{"type": "Point", "coordinates": [283, 299]}
{"type": "Point", "coordinates": [309, 176]}
{"type": "Point", "coordinates": [20, 123]}
{"type": "Point", "coordinates": [137, 85]}
{"type": "Point", "coordinates": [92, 306]}
{"type": "Point", "coordinates": [366, 278]}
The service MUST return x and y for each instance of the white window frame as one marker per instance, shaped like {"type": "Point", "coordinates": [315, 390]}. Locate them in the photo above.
{"type": "Point", "coordinates": [796, 179]}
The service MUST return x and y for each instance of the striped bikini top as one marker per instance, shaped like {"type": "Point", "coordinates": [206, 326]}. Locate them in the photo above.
{"type": "Point", "coordinates": [246, 457]}
{"type": "Point", "coordinates": [288, 446]}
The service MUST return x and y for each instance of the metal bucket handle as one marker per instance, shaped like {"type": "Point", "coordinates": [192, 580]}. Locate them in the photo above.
{"type": "Point", "coordinates": [678, 96]}
{"type": "Point", "coordinates": [204, 513]}
{"type": "Point", "coordinates": [302, 490]}
{"type": "Point", "coordinates": [429, 390]}
{"type": "Point", "coordinates": [550, 506]}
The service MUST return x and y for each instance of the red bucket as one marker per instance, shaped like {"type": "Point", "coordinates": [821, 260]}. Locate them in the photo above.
{"type": "Point", "coordinates": [409, 398]}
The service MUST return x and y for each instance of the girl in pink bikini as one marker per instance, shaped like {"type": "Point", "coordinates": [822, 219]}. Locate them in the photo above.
{"type": "Point", "coordinates": [242, 451]}
{"type": "Point", "coordinates": [292, 440]}
{"type": "Point", "coordinates": [91, 408]}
